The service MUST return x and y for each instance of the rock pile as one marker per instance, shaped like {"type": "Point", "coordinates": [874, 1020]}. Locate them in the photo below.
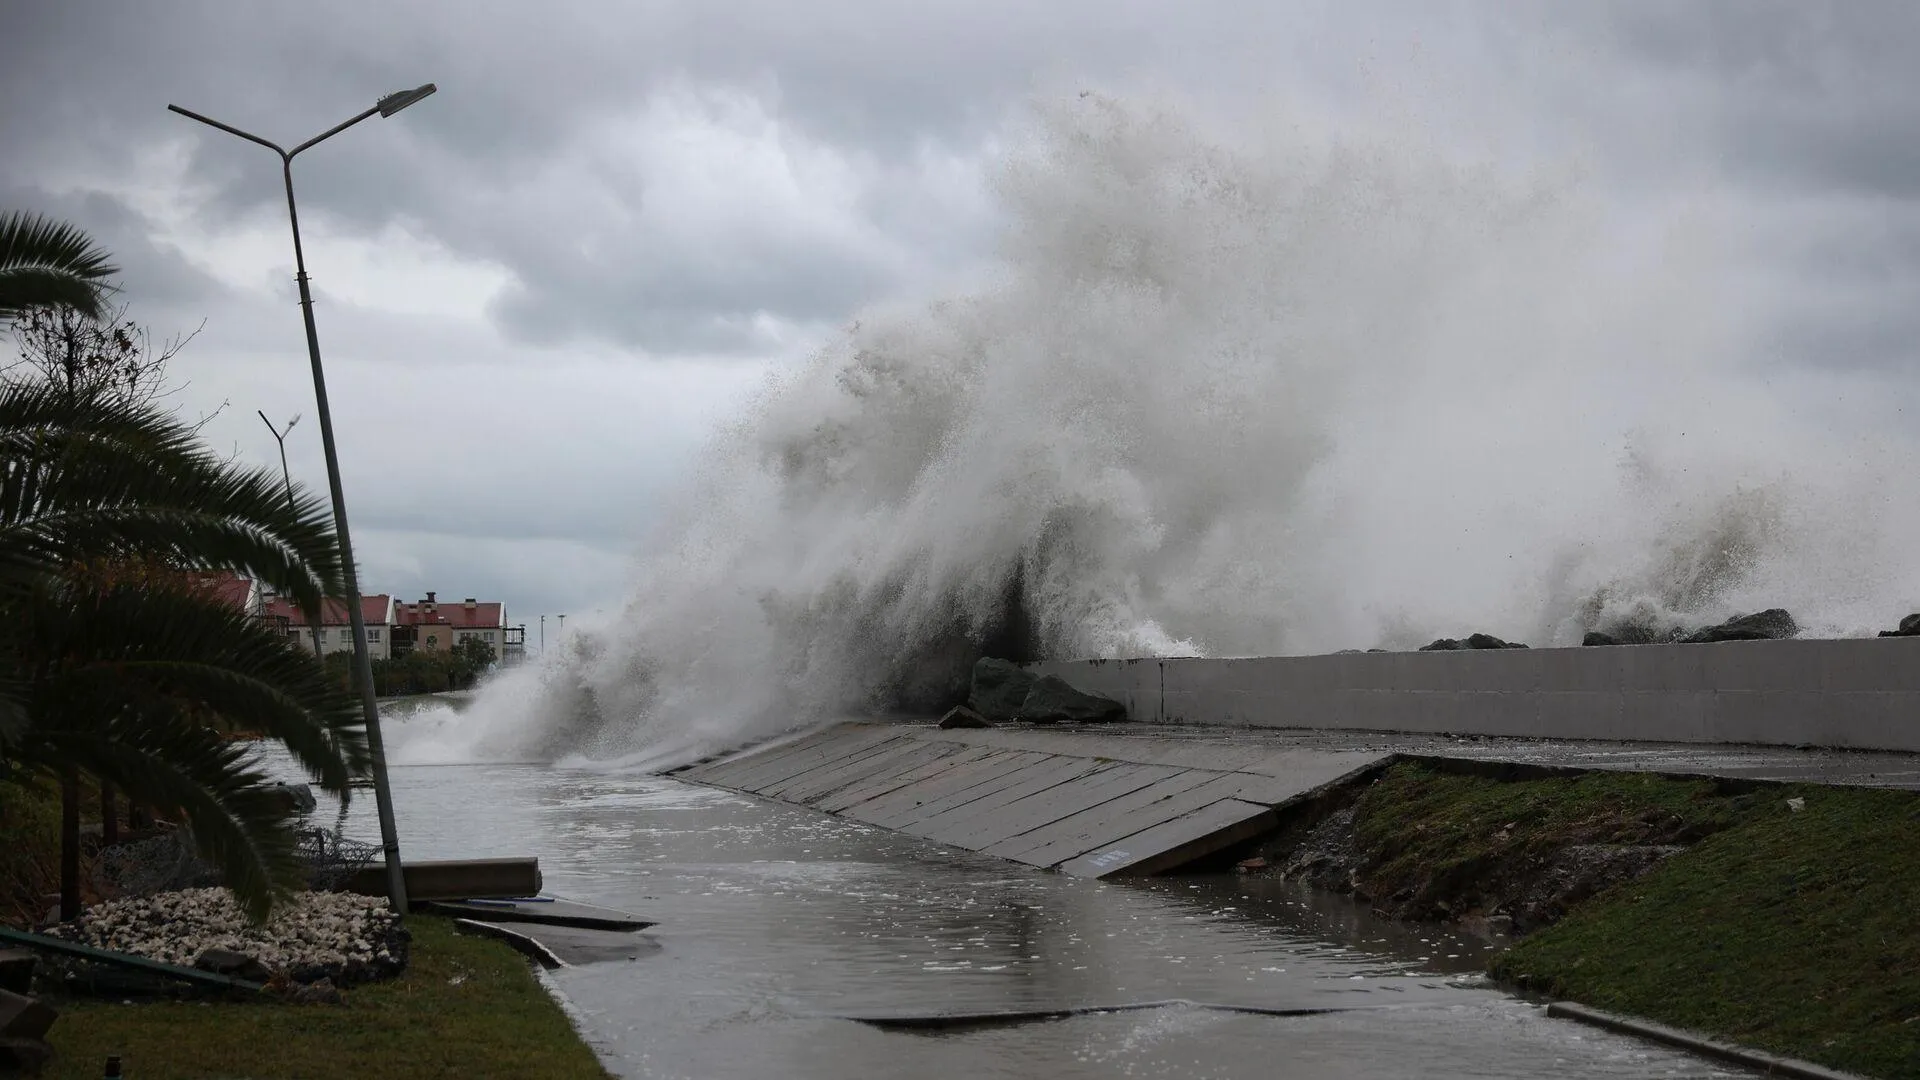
{"type": "Point", "coordinates": [1772, 624]}
{"type": "Point", "coordinates": [1003, 691]}
{"type": "Point", "coordinates": [337, 936]}
{"type": "Point", "coordinates": [1909, 627]}
{"type": "Point", "coordinates": [1471, 641]}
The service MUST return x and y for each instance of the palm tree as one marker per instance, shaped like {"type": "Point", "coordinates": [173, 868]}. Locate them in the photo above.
{"type": "Point", "coordinates": [46, 263]}
{"type": "Point", "coordinates": [113, 663]}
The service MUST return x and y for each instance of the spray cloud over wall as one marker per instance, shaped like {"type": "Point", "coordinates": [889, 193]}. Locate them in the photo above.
{"type": "Point", "coordinates": [1254, 392]}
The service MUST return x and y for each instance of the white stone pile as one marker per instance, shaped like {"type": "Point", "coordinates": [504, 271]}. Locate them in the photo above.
{"type": "Point", "coordinates": [317, 935]}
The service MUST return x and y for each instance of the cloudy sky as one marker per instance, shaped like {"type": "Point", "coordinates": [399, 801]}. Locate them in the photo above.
{"type": "Point", "coordinates": [541, 289]}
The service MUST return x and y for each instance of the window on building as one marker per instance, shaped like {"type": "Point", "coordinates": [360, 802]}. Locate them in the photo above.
{"type": "Point", "coordinates": [373, 633]}
{"type": "Point", "coordinates": [294, 634]}
{"type": "Point", "coordinates": [320, 636]}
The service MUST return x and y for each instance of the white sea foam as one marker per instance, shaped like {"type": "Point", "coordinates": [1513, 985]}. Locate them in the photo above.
{"type": "Point", "coordinates": [1254, 392]}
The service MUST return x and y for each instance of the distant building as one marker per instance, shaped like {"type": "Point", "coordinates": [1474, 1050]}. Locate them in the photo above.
{"type": "Point", "coordinates": [232, 590]}
{"type": "Point", "coordinates": [431, 626]}
{"type": "Point", "coordinates": [335, 632]}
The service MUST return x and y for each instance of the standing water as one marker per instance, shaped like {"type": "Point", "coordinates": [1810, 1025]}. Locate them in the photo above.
{"type": "Point", "coordinates": [776, 924]}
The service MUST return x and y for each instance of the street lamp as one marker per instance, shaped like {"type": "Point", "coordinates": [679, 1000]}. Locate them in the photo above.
{"type": "Point", "coordinates": [362, 659]}
{"type": "Point", "coordinates": [280, 436]}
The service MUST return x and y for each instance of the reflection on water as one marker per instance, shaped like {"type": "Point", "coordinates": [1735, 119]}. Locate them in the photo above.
{"type": "Point", "coordinates": [776, 922]}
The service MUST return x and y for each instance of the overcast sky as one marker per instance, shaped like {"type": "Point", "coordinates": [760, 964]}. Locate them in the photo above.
{"type": "Point", "coordinates": [540, 289]}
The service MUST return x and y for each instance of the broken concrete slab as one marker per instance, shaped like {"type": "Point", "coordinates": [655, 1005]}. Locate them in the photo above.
{"type": "Point", "coordinates": [22, 1017]}
{"type": "Point", "coordinates": [1069, 800]}
{"type": "Point", "coordinates": [1175, 843]}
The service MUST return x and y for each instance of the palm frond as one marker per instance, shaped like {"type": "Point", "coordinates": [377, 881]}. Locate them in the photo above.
{"type": "Point", "coordinates": [46, 262]}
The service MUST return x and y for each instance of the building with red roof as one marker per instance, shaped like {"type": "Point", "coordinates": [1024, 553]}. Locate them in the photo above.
{"type": "Point", "coordinates": [335, 631]}
{"type": "Point", "coordinates": [432, 626]}
{"type": "Point", "coordinates": [228, 588]}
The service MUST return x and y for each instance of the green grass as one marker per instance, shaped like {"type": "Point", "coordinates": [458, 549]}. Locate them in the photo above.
{"type": "Point", "coordinates": [1431, 844]}
{"type": "Point", "coordinates": [1794, 932]}
{"type": "Point", "coordinates": [465, 1007]}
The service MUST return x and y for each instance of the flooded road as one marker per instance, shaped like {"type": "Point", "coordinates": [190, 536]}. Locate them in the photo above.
{"type": "Point", "coordinates": [777, 924]}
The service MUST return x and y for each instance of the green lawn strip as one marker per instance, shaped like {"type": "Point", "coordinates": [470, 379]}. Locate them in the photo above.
{"type": "Point", "coordinates": [1795, 932]}
{"type": "Point", "coordinates": [465, 1007]}
{"type": "Point", "coordinates": [1425, 833]}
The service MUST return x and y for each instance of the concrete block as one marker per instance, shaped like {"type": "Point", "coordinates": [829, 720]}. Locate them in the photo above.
{"type": "Point", "coordinates": [455, 879]}
{"type": "Point", "coordinates": [22, 1017]}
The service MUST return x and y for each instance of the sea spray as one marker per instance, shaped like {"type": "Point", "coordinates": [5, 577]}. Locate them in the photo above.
{"type": "Point", "coordinates": [1268, 391]}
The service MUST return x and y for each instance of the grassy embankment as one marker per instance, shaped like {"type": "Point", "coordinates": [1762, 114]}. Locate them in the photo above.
{"type": "Point", "coordinates": [1795, 931]}
{"type": "Point", "coordinates": [465, 1007]}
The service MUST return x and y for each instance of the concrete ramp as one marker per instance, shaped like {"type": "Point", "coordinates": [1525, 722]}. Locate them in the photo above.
{"type": "Point", "coordinates": [1079, 802]}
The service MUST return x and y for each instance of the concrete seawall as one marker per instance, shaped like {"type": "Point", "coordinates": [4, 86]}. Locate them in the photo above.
{"type": "Point", "coordinates": [1853, 693]}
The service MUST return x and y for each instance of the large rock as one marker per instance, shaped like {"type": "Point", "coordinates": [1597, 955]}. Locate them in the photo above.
{"type": "Point", "coordinates": [1770, 625]}
{"type": "Point", "coordinates": [1053, 701]}
{"type": "Point", "coordinates": [298, 797]}
{"type": "Point", "coordinates": [1909, 627]}
{"type": "Point", "coordinates": [999, 688]}
{"type": "Point", "coordinates": [1471, 641]}
{"type": "Point", "coordinates": [233, 964]}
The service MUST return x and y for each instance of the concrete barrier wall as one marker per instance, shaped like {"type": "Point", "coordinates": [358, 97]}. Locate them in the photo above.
{"type": "Point", "coordinates": [1857, 693]}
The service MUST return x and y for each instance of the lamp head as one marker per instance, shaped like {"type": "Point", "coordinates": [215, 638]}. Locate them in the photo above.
{"type": "Point", "coordinates": [400, 99]}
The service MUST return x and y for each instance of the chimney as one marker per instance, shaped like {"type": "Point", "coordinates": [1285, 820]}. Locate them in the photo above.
{"type": "Point", "coordinates": [429, 598]}
{"type": "Point", "coordinates": [470, 603]}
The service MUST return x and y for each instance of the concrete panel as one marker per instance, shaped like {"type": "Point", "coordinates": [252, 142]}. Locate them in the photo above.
{"type": "Point", "coordinates": [723, 770]}
{"type": "Point", "coordinates": [982, 831]}
{"type": "Point", "coordinates": [1050, 769]}
{"type": "Point", "coordinates": [1100, 826]}
{"type": "Point", "coordinates": [1776, 665]}
{"type": "Point", "coordinates": [833, 746]}
{"type": "Point", "coordinates": [895, 759]}
{"type": "Point", "coordinates": [774, 784]}
{"type": "Point", "coordinates": [948, 826]}
{"type": "Point", "coordinates": [892, 806]}
{"type": "Point", "coordinates": [1882, 664]}
{"type": "Point", "coordinates": [1738, 692]}
{"type": "Point", "coordinates": [947, 757]}
{"type": "Point", "coordinates": [1104, 821]}
{"type": "Point", "coordinates": [1175, 842]}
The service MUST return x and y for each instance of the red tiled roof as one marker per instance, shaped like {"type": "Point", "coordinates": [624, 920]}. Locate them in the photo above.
{"type": "Point", "coordinates": [333, 612]}
{"type": "Point", "coordinates": [456, 614]}
{"type": "Point", "coordinates": [226, 587]}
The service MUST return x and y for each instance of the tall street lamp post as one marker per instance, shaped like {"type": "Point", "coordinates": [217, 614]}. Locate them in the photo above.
{"type": "Point", "coordinates": [362, 659]}
{"type": "Point", "coordinates": [286, 477]}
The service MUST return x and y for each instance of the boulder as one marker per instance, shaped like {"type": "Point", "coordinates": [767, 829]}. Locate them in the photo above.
{"type": "Point", "coordinates": [1471, 641]}
{"type": "Point", "coordinates": [962, 717]}
{"type": "Point", "coordinates": [1595, 637]}
{"type": "Point", "coordinates": [999, 689]}
{"type": "Point", "coordinates": [1770, 625]}
{"type": "Point", "coordinates": [1053, 701]}
{"type": "Point", "coordinates": [1909, 627]}
{"type": "Point", "coordinates": [237, 965]}
{"type": "Point", "coordinates": [298, 797]}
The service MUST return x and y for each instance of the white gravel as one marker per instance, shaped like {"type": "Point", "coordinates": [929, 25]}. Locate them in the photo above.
{"type": "Point", "coordinates": [312, 935]}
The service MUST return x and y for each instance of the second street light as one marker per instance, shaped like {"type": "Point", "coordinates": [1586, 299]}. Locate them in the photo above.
{"type": "Point", "coordinates": [362, 659]}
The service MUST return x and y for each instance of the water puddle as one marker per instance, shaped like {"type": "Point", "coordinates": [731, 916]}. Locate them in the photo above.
{"type": "Point", "coordinates": [778, 924]}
